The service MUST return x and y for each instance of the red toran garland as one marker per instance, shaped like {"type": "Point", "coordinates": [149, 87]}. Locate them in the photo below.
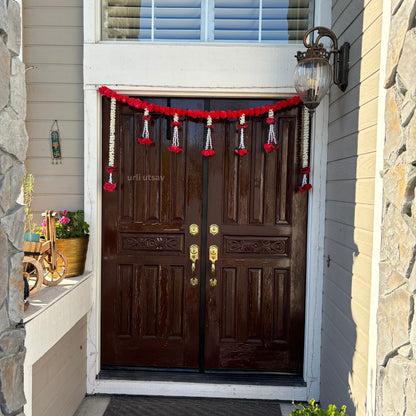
{"type": "Point", "coordinates": [213, 115]}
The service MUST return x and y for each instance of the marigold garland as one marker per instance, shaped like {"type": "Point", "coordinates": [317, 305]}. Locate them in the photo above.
{"type": "Point", "coordinates": [272, 142]}
{"type": "Point", "coordinates": [215, 115]}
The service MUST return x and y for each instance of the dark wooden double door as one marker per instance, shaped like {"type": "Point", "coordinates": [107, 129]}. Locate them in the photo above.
{"type": "Point", "coordinates": [153, 315]}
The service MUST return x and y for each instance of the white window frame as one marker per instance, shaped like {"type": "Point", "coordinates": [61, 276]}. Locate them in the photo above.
{"type": "Point", "coordinates": [233, 70]}
{"type": "Point", "coordinates": [207, 25]}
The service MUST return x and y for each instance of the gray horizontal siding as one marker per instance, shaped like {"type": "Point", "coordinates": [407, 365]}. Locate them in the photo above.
{"type": "Point", "coordinates": [53, 45]}
{"type": "Point", "coordinates": [349, 208]}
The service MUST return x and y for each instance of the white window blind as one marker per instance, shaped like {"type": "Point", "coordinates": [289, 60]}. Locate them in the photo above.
{"type": "Point", "coordinates": [279, 21]}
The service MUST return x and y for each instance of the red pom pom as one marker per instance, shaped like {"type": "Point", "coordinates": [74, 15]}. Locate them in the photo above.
{"type": "Point", "coordinates": [109, 186]}
{"type": "Point", "coordinates": [270, 120]}
{"type": "Point", "coordinates": [306, 188]}
{"type": "Point", "coordinates": [200, 114]}
{"type": "Point", "coordinates": [305, 171]}
{"type": "Point", "coordinates": [223, 115]}
{"type": "Point", "coordinates": [241, 152]}
{"type": "Point", "coordinates": [242, 126]}
{"type": "Point", "coordinates": [146, 141]}
{"type": "Point", "coordinates": [111, 169]}
{"type": "Point", "coordinates": [268, 147]}
{"type": "Point", "coordinates": [137, 103]}
{"type": "Point", "coordinates": [162, 109]}
{"type": "Point", "coordinates": [124, 99]}
{"type": "Point", "coordinates": [208, 152]}
{"type": "Point", "coordinates": [250, 112]}
{"type": "Point", "coordinates": [179, 112]}
{"type": "Point", "coordinates": [175, 149]}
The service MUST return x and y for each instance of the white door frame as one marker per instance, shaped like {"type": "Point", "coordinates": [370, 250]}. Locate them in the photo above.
{"type": "Point", "coordinates": [133, 68]}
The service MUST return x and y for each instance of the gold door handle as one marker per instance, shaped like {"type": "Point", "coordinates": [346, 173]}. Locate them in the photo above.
{"type": "Point", "coordinates": [194, 257]}
{"type": "Point", "coordinates": [213, 257]}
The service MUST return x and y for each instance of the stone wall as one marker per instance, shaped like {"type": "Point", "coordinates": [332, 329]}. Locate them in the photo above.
{"type": "Point", "coordinates": [13, 145]}
{"type": "Point", "coordinates": [396, 355]}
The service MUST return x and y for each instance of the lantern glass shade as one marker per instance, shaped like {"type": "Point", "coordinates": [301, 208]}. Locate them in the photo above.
{"type": "Point", "coordinates": [312, 81]}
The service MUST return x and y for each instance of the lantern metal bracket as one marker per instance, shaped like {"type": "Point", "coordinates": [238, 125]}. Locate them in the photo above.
{"type": "Point", "coordinates": [317, 51]}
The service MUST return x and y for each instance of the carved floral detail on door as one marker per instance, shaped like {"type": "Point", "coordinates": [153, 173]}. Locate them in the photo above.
{"type": "Point", "coordinates": [278, 246]}
{"type": "Point", "coordinates": [154, 242]}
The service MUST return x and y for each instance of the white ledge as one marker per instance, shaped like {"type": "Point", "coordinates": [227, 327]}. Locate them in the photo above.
{"type": "Point", "coordinates": [52, 312]}
{"type": "Point", "coordinates": [49, 295]}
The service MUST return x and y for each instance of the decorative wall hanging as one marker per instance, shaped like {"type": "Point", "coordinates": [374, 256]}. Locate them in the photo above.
{"type": "Point", "coordinates": [271, 144]}
{"type": "Point", "coordinates": [175, 147]}
{"type": "Point", "coordinates": [241, 149]}
{"type": "Point", "coordinates": [109, 185]}
{"type": "Point", "coordinates": [209, 150]}
{"type": "Point", "coordinates": [305, 169]}
{"type": "Point", "coordinates": [145, 139]}
{"type": "Point", "coordinates": [54, 134]}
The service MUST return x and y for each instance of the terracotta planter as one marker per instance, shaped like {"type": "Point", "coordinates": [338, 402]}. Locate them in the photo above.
{"type": "Point", "coordinates": [75, 250]}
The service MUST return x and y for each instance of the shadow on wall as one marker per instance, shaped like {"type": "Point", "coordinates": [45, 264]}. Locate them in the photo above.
{"type": "Point", "coordinates": [349, 212]}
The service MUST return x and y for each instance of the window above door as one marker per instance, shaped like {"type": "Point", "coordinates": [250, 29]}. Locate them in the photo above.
{"type": "Point", "coordinates": [249, 21]}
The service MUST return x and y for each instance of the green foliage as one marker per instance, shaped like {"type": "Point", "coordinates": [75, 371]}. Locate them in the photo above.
{"type": "Point", "coordinates": [71, 224]}
{"type": "Point", "coordinates": [313, 410]}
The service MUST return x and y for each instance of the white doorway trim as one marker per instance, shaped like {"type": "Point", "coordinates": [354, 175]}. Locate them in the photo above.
{"type": "Point", "coordinates": [104, 63]}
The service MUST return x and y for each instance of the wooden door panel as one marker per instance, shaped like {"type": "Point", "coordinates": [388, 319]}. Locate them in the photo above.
{"type": "Point", "coordinates": [255, 314]}
{"type": "Point", "coordinates": [150, 310]}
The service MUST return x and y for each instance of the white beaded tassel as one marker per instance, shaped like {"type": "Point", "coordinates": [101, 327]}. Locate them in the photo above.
{"type": "Point", "coordinates": [305, 145]}
{"type": "Point", "coordinates": [208, 142]}
{"type": "Point", "coordinates": [272, 135]}
{"type": "Point", "coordinates": [112, 137]}
{"type": "Point", "coordinates": [242, 122]}
{"type": "Point", "coordinates": [175, 140]}
{"type": "Point", "coordinates": [145, 134]}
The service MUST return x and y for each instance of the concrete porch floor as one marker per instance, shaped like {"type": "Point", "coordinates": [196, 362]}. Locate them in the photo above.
{"type": "Point", "coordinates": [96, 406]}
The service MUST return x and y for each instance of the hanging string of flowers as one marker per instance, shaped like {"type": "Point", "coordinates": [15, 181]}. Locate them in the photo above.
{"type": "Point", "coordinates": [215, 115]}
{"type": "Point", "coordinates": [145, 139]}
{"type": "Point", "coordinates": [175, 147]}
{"type": "Point", "coordinates": [209, 150]}
{"type": "Point", "coordinates": [109, 185]}
{"type": "Point", "coordinates": [305, 169]}
{"type": "Point", "coordinates": [272, 143]}
{"type": "Point", "coordinates": [241, 150]}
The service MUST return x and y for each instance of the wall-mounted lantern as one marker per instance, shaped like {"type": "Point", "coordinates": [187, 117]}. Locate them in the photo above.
{"type": "Point", "coordinates": [313, 73]}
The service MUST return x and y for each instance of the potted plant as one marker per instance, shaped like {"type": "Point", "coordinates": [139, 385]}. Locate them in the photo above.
{"type": "Point", "coordinates": [313, 410]}
{"type": "Point", "coordinates": [30, 226]}
{"type": "Point", "coordinates": [72, 238]}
